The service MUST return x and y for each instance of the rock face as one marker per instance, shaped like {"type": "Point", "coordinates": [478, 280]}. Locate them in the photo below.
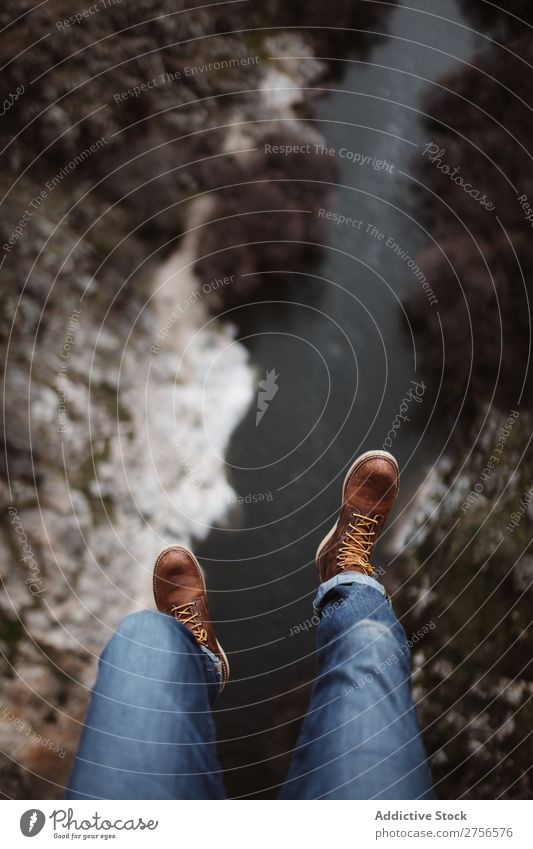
{"type": "Point", "coordinates": [474, 196]}
{"type": "Point", "coordinates": [467, 570]}
{"type": "Point", "coordinates": [127, 447]}
{"type": "Point", "coordinates": [469, 545]}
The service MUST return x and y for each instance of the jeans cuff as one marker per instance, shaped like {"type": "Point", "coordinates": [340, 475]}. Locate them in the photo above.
{"type": "Point", "coordinates": [217, 666]}
{"type": "Point", "coordinates": [344, 578]}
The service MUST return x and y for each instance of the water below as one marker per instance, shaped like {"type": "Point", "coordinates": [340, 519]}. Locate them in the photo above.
{"type": "Point", "coordinates": [344, 359]}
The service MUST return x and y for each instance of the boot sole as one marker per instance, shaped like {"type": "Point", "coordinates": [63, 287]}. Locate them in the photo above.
{"type": "Point", "coordinates": [223, 655]}
{"type": "Point", "coordinates": [383, 455]}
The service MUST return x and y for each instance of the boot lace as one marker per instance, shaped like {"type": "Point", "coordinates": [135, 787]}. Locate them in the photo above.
{"type": "Point", "coordinates": [356, 543]}
{"type": "Point", "coordinates": [185, 614]}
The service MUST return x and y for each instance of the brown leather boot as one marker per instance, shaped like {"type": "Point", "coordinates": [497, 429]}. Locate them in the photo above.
{"type": "Point", "coordinates": [369, 492]}
{"type": "Point", "coordinates": [180, 591]}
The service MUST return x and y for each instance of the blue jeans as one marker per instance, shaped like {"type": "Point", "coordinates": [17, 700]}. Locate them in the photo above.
{"type": "Point", "coordinates": [150, 734]}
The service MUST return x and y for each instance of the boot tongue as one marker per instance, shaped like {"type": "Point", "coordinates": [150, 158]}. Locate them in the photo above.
{"type": "Point", "coordinates": [179, 596]}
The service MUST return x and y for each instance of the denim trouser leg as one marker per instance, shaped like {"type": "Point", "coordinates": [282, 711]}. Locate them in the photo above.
{"type": "Point", "coordinates": [360, 738]}
{"type": "Point", "coordinates": [149, 732]}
